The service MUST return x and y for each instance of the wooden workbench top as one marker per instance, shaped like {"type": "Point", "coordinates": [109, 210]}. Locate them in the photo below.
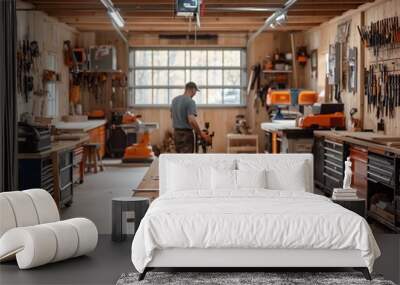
{"type": "Point", "coordinates": [365, 139]}
{"type": "Point", "coordinates": [79, 126]}
{"type": "Point", "coordinates": [57, 146]}
{"type": "Point", "coordinates": [279, 125]}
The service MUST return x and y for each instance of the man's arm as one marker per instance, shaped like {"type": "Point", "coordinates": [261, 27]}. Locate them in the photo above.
{"type": "Point", "coordinates": [195, 126]}
{"type": "Point", "coordinates": [192, 121]}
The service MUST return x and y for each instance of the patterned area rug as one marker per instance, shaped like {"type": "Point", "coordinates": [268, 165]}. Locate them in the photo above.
{"type": "Point", "coordinates": [243, 278]}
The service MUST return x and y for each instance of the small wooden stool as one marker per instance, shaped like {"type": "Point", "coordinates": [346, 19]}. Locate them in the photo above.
{"type": "Point", "coordinates": [91, 157]}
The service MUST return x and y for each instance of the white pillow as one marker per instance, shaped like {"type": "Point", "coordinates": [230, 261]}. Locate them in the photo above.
{"type": "Point", "coordinates": [292, 178]}
{"type": "Point", "coordinates": [251, 178]}
{"type": "Point", "coordinates": [281, 173]}
{"type": "Point", "coordinates": [223, 179]}
{"type": "Point", "coordinates": [186, 177]}
{"type": "Point", "coordinates": [190, 176]}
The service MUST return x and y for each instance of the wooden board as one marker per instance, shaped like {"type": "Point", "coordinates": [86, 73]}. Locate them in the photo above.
{"type": "Point", "coordinates": [149, 186]}
{"type": "Point", "coordinates": [219, 15]}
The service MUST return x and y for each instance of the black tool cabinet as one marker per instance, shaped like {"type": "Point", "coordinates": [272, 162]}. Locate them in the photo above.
{"type": "Point", "coordinates": [383, 199]}
{"type": "Point", "coordinates": [38, 173]}
{"type": "Point", "coordinates": [383, 175]}
{"type": "Point", "coordinates": [66, 161]}
{"type": "Point", "coordinates": [329, 157]}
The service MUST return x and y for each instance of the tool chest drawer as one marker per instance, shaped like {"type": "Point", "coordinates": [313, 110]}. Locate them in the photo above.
{"type": "Point", "coordinates": [66, 194]}
{"type": "Point", "coordinates": [36, 173]}
{"type": "Point", "coordinates": [381, 169]}
{"type": "Point", "coordinates": [333, 165]}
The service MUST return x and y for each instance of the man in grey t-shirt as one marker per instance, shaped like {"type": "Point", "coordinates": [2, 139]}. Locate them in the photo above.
{"type": "Point", "coordinates": [183, 113]}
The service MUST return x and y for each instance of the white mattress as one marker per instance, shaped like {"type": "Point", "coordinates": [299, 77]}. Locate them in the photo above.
{"type": "Point", "coordinates": [252, 219]}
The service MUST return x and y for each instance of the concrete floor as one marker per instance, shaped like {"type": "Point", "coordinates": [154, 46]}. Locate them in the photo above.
{"type": "Point", "coordinates": [104, 266]}
{"type": "Point", "coordinates": [92, 199]}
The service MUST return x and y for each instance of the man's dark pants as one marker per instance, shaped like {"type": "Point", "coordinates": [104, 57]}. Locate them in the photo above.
{"type": "Point", "coordinates": [184, 140]}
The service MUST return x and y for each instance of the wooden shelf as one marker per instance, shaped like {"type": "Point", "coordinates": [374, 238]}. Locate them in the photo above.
{"type": "Point", "coordinates": [277, 71]}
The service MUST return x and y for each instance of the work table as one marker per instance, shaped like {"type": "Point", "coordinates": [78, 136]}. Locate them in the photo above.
{"type": "Point", "coordinates": [283, 136]}
{"type": "Point", "coordinates": [364, 139]}
{"type": "Point", "coordinates": [96, 129]}
{"type": "Point", "coordinates": [375, 166]}
{"type": "Point", "coordinates": [279, 125]}
{"type": "Point", "coordinates": [85, 126]}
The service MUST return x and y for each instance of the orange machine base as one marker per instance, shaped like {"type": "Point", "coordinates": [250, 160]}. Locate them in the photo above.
{"type": "Point", "coordinates": [324, 121]}
{"type": "Point", "coordinates": [138, 153]}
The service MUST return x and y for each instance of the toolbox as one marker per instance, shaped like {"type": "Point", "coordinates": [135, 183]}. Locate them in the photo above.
{"type": "Point", "coordinates": [333, 165]}
{"type": "Point", "coordinates": [33, 138]}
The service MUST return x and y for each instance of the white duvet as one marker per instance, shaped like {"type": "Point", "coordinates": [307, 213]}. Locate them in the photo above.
{"type": "Point", "coordinates": [252, 218]}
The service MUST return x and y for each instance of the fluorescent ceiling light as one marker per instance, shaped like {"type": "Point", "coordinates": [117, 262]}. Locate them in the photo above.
{"type": "Point", "coordinates": [281, 19]}
{"type": "Point", "coordinates": [107, 3]}
{"type": "Point", "coordinates": [116, 17]}
{"type": "Point", "coordinates": [113, 13]}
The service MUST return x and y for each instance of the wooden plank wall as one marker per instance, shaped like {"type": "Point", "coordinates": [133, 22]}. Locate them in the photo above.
{"type": "Point", "coordinates": [321, 37]}
{"type": "Point", "coordinates": [264, 45]}
{"type": "Point", "coordinates": [221, 119]}
{"type": "Point", "coordinates": [386, 9]}
{"type": "Point", "coordinates": [50, 35]}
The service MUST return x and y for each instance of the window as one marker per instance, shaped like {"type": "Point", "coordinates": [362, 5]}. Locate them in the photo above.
{"type": "Point", "coordinates": [156, 76]}
{"type": "Point", "coordinates": [52, 98]}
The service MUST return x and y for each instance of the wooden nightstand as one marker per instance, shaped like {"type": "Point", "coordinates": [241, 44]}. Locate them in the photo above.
{"type": "Point", "coordinates": [357, 205]}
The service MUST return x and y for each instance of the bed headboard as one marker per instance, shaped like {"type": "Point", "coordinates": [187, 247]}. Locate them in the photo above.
{"type": "Point", "coordinates": [210, 158]}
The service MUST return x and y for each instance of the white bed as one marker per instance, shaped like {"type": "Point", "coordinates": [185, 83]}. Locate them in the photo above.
{"type": "Point", "coordinates": [194, 223]}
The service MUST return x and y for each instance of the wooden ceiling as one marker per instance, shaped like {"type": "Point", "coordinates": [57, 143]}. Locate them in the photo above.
{"type": "Point", "coordinates": [159, 15]}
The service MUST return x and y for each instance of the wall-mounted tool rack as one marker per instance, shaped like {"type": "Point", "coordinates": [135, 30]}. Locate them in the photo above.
{"type": "Point", "coordinates": [384, 33]}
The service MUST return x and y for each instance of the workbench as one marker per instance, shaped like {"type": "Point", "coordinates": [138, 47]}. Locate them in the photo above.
{"type": "Point", "coordinates": [149, 186]}
{"type": "Point", "coordinates": [284, 136]}
{"type": "Point", "coordinates": [375, 166]}
{"type": "Point", "coordinates": [96, 129]}
{"type": "Point", "coordinates": [51, 170]}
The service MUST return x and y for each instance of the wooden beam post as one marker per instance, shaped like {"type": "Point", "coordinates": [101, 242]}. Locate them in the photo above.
{"type": "Point", "coordinates": [295, 79]}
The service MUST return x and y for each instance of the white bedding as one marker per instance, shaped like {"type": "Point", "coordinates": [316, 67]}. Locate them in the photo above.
{"type": "Point", "coordinates": [251, 218]}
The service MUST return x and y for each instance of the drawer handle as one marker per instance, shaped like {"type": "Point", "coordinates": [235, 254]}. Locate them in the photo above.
{"type": "Point", "coordinates": [331, 177]}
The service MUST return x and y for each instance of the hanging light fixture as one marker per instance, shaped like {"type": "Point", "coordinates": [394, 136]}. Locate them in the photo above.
{"type": "Point", "coordinates": [113, 13]}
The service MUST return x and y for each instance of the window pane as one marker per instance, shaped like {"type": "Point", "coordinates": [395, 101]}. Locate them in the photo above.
{"type": "Point", "coordinates": [200, 97]}
{"type": "Point", "coordinates": [232, 58]}
{"type": "Point", "coordinates": [231, 77]}
{"type": "Point", "coordinates": [188, 77]}
{"type": "Point", "coordinates": [131, 78]}
{"type": "Point", "coordinates": [199, 77]}
{"type": "Point", "coordinates": [143, 77]}
{"type": "Point", "coordinates": [131, 100]}
{"type": "Point", "coordinates": [176, 58]}
{"type": "Point", "coordinates": [160, 77]}
{"type": "Point", "coordinates": [214, 96]}
{"type": "Point", "coordinates": [143, 96]}
{"type": "Point", "coordinates": [160, 58]}
{"type": "Point", "coordinates": [232, 96]}
{"type": "Point", "coordinates": [173, 93]}
{"type": "Point", "coordinates": [177, 78]}
{"type": "Point", "coordinates": [160, 96]}
{"type": "Point", "coordinates": [198, 58]}
{"type": "Point", "coordinates": [143, 58]}
{"type": "Point", "coordinates": [214, 58]}
{"type": "Point", "coordinates": [214, 77]}
{"type": "Point", "coordinates": [131, 59]}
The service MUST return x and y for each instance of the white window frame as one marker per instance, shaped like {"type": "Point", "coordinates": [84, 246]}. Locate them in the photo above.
{"type": "Point", "coordinates": [132, 68]}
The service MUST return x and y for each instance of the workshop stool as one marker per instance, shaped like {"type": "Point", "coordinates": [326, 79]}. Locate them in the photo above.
{"type": "Point", "coordinates": [92, 157]}
{"type": "Point", "coordinates": [138, 205]}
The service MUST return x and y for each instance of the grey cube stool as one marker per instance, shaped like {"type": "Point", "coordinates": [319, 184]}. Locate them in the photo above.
{"type": "Point", "coordinates": [122, 204]}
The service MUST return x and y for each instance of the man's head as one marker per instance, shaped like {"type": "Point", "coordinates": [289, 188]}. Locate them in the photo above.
{"type": "Point", "coordinates": [191, 89]}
